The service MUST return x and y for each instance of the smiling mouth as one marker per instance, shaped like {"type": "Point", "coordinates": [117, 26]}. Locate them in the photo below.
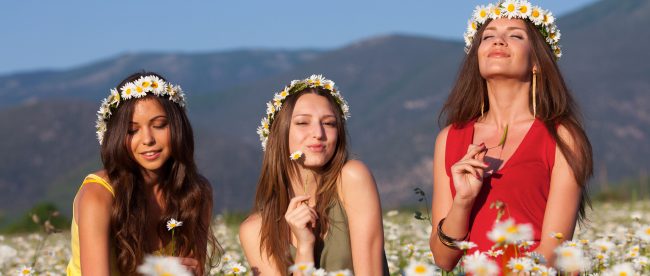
{"type": "Point", "coordinates": [151, 155]}
{"type": "Point", "coordinates": [316, 148]}
{"type": "Point", "coordinates": [498, 55]}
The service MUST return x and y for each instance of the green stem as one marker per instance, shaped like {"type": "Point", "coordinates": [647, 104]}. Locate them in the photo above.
{"type": "Point", "coordinates": [173, 243]}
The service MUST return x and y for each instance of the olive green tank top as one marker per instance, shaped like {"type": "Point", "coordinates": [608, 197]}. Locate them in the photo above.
{"type": "Point", "coordinates": [337, 251]}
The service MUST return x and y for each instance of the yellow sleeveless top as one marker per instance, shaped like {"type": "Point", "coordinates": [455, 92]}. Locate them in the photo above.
{"type": "Point", "coordinates": [74, 266]}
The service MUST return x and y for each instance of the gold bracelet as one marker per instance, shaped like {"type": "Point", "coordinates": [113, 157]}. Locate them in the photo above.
{"type": "Point", "coordinates": [447, 240]}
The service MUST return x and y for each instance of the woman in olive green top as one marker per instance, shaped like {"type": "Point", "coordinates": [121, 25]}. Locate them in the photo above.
{"type": "Point", "coordinates": [313, 207]}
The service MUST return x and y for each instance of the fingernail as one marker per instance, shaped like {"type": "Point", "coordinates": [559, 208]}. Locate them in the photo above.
{"type": "Point", "coordinates": [482, 144]}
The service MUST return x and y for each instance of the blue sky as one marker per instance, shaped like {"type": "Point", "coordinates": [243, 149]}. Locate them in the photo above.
{"type": "Point", "coordinates": [62, 34]}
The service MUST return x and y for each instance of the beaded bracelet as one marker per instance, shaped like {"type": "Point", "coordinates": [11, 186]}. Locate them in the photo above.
{"type": "Point", "coordinates": [447, 240]}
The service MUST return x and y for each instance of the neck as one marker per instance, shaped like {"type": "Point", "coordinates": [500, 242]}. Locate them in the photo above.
{"type": "Point", "coordinates": [508, 101]}
{"type": "Point", "coordinates": [151, 178]}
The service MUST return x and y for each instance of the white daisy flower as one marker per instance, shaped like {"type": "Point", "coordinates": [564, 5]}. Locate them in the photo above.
{"type": "Point", "coordinates": [304, 268]}
{"type": "Point", "coordinates": [296, 155]}
{"type": "Point", "coordinates": [510, 233]}
{"type": "Point", "coordinates": [557, 51]}
{"type": "Point", "coordinates": [172, 223]}
{"type": "Point", "coordinates": [157, 85]}
{"type": "Point", "coordinates": [234, 268]}
{"type": "Point", "coordinates": [270, 108]}
{"type": "Point", "coordinates": [640, 263]}
{"type": "Point", "coordinates": [622, 269]}
{"type": "Point", "coordinates": [319, 272]}
{"type": "Point", "coordinates": [542, 270]}
{"type": "Point", "coordinates": [520, 264]}
{"type": "Point", "coordinates": [162, 266]}
{"type": "Point", "coordinates": [548, 18]}
{"type": "Point", "coordinates": [536, 15]}
{"type": "Point", "coordinates": [472, 27]}
{"type": "Point", "coordinates": [479, 265]}
{"type": "Point", "coordinates": [114, 98]}
{"type": "Point", "coordinates": [328, 84]}
{"type": "Point", "coordinates": [418, 268]}
{"type": "Point", "coordinates": [603, 245]}
{"type": "Point", "coordinates": [145, 83]}
{"type": "Point", "coordinates": [494, 253]}
{"type": "Point", "coordinates": [495, 12]}
{"type": "Point", "coordinates": [570, 259]}
{"type": "Point", "coordinates": [481, 13]}
{"type": "Point", "coordinates": [340, 273]}
{"type": "Point", "coordinates": [526, 244]}
{"type": "Point", "coordinates": [553, 36]}
{"type": "Point", "coordinates": [525, 9]}
{"type": "Point", "coordinates": [140, 89]}
{"type": "Point", "coordinates": [316, 80]}
{"type": "Point", "coordinates": [465, 245]}
{"type": "Point", "coordinates": [128, 90]}
{"type": "Point", "coordinates": [26, 271]}
{"type": "Point", "coordinates": [510, 9]}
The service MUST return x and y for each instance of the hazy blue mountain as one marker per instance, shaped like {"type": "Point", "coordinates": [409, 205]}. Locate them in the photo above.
{"type": "Point", "coordinates": [395, 85]}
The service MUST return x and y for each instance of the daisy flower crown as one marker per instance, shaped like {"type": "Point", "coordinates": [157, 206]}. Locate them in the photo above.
{"type": "Point", "coordinates": [137, 89]}
{"type": "Point", "coordinates": [522, 9]}
{"type": "Point", "coordinates": [274, 106]}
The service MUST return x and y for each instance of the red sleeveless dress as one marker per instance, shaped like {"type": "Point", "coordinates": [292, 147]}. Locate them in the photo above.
{"type": "Point", "coordinates": [522, 183]}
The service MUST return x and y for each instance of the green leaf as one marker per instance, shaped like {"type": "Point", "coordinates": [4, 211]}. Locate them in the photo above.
{"type": "Point", "coordinates": [502, 143]}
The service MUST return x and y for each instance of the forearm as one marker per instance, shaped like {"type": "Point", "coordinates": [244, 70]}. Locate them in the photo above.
{"type": "Point", "coordinates": [456, 226]}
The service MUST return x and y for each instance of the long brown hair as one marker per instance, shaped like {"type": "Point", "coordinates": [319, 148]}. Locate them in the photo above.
{"type": "Point", "coordinates": [274, 185]}
{"type": "Point", "coordinates": [555, 105]}
{"type": "Point", "coordinates": [187, 194]}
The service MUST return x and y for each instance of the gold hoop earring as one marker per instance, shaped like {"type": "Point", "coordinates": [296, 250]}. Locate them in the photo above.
{"type": "Point", "coordinates": [534, 92]}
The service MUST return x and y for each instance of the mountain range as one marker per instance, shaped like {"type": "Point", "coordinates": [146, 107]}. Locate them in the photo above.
{"type": "Point", "coordinates": [395, 85]}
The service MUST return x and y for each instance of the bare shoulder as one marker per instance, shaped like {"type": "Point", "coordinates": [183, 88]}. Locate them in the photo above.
{"type": "Point", "coordinates": [356, 180]}
{"type": "Point", "coordinates": [250, 227]}
{"type": "Point", "coordinates": [355, 170]}
{"type": "Point", "coordinates": [441, 138]}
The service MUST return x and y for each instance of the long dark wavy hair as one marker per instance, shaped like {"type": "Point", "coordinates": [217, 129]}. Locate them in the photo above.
{"type": "Point", "coordinates": [274, 185]}
{"type": "Point", "coordinates": [186, 193]}
{"type": "Point", "coordinates": [555, 105]}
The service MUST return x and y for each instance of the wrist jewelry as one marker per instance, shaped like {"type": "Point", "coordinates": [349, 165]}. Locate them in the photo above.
{"type": "Point", "coordinates": [447, 240]}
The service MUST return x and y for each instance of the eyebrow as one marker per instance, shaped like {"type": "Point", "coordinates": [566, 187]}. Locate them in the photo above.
{"type": "Point", "coordinates": [309, 115]}
{"type": "Point", "coordinates": [152, 119]}
{"type": "Point", "coordinates": [508, 28]}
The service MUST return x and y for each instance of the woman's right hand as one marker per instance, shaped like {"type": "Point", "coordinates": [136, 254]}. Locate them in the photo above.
{"type": "Point", "coordinates": [301, 219]}
{"type": "Point", "coordinates": [467, 174]}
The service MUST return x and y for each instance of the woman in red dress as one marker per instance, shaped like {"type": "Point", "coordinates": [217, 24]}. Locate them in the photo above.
{"type": "Point", "coordinates": [510, 89]}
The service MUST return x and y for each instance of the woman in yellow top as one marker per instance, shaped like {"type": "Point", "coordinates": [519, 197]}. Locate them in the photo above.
{"type": "Point", "coordinates": [149, 177]}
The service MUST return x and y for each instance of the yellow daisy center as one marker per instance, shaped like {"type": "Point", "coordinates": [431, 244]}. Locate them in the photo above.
{"type": "Point", "coordinates": [545, 18]}
{"type": "Point", "coordinates": [535, 13]}
{"type": "Point", "coordinates": [481, 271]}
{"type": "Point", "coordinates": [511, 7]}
{"type": "Point", "coordinates": [519, 267]}
{"type": "Point", "coordinates": [328, 86]}
{"type": "Point", "coordinates": [166, 274]}
{"type": "Point", "coordinates": [474, 26]}
{"type": "Point", "coordinates": [146, 84]}
{"type": "Point", "coordinates": [557, 52]}
{"type": "Point", "coordinates": [154, 84]}
{"type": "Point", "coordinates": [482, 13]}
{"type": "Point", "coordinates": [497, 11]}
{"type": "Point", "coordinates": [302, 267]}
{"type": "Point", "coordinates": [622, 273]}
{"type": "Point", "coordinates": [25, 271]}
{"type": "Point", "coordinates": [512, 229]}
{"type": "Point", "coordinates": [284, 93]}
{"type": "Point", "coordinates": [501, 239]}
{"type": "Point", "coordinates": [647, 231]}
{"type": "Point", "coordinates": [235, 269]}
{"type": "Point", "coordinates": [420, 269]}
{"type": "Point", "coordinates": [567, 253]}
{"type": "Point", "coordinates": [535, 268]}
{"type": "Point", "coordinates": [600, 256]}
{"type": "Point", "coordinates": [127, 91]}
{"type": "Point", "coordinates": [317, 82]}
{"type": "Point", "coordinates": [340, 274]}
{"type": "Point", "coordinates": [523, 9]}
{"type": "Point", "coordinates": [139, 88]}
